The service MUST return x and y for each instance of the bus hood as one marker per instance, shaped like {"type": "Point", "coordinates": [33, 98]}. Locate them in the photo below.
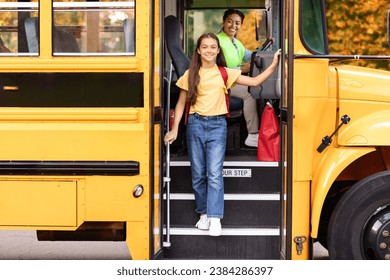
{"type": "Point", "coordinates": [360, 83]}
{"type": "Point", "coordinates": [364, 95]}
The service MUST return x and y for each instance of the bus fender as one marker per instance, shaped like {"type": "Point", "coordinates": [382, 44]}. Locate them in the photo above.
{"type": "Point", "coordinates": [332, 164]}
{"type": "Point", "coordinates": [369, 130]}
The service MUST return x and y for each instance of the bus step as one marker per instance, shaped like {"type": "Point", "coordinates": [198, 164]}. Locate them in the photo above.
{"type": "Point", "coordinates": [240, 209]}
{"type": "Point", "coordinates": [239, 177]}
{"type": "Point", "coordinates": [234, 243]}
{"type": "Point", "coordinates": [228, 231]}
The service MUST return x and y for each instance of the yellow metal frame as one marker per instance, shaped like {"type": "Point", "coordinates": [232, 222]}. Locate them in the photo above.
{"type": "Point", "coordinates": [322, 94]}
{"type": "Point", "coordinates": [120, 134]}
{"type": "Point", "coordinates": [100, 134]}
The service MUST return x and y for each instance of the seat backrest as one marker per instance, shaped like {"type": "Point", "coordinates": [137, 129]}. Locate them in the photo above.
{"type": "Point", "coordinates": [128, 30]}
{"type": "Point", "coordinates": [63, 41]}
{"type": "Point", "coordinates": [32, 34]}
{"type": "Point", "coordinates": [173, 29]}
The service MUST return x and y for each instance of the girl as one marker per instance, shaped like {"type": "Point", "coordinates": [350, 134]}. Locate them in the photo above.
{"type": "Point", "coordinates": [203, 87]}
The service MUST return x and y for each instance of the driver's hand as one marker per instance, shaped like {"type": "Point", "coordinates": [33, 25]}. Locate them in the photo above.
{"type": "Point", "coordinates": [245, 67]}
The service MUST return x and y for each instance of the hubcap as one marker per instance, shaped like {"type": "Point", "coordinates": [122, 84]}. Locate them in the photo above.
{"type": "Point", "coordinates": [376, 237]}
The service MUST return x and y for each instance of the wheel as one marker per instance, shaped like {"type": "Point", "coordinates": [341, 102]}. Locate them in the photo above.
{"type": "Point", "coordinates": [360, 224]}
{"type": "Point", "coordinates": [338, 190]}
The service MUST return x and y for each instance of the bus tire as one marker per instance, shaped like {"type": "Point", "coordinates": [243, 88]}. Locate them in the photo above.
{"type": "Point", "coordinates": [351, 233]}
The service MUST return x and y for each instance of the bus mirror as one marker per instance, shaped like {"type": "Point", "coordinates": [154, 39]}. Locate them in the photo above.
{"type": "Point", "coordinates": [261, 26]}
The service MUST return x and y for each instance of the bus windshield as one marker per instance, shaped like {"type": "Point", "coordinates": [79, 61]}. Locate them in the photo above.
{"type": "Point", "coordinates": [313, 26]}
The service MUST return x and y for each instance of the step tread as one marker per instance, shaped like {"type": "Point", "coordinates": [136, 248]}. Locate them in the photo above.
{"type": "Point", "coordinates": [226, 163]}
{"type": "Point", "coordinates": [230, 196]}
{"type": "Point", "coordinates": [228, 231]}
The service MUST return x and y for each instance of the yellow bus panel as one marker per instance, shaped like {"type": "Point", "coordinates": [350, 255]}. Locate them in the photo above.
{"type": "Point", "coordinates": [38, 203]}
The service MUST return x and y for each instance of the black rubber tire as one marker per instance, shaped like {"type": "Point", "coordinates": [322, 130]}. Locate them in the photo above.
{"type": "Point", "coordinates": [349, 218]}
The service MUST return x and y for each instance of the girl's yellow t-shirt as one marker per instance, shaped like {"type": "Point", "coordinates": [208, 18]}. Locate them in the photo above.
{"type": "Point", "coordinates": [211, 89]}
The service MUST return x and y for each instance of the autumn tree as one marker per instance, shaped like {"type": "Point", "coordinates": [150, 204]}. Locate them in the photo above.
{"type": "Point", "coordinates": [359, 27]}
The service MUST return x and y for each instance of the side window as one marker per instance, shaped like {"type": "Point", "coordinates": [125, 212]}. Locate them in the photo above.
{"type": "Point", "coordinates": [93, 28]}
{"type": "Point", "coordinates": [18, 28]}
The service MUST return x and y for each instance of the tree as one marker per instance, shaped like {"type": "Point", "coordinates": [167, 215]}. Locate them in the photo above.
{"type": "Point", "coordinates": [359, 27]}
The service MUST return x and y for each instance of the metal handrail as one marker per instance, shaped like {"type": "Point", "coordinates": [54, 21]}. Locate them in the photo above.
{"type": "Point", "coordinates": [167, 178]}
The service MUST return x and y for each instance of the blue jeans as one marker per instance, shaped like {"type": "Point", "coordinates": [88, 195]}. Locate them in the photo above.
{"type": "Point", "coordinates": [206, 142]}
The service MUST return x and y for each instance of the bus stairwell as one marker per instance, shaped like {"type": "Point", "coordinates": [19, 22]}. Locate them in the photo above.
{"type": "Point", "coordinates": [251, 223]}
{"type": "Point", "coordinates": [250, 227]}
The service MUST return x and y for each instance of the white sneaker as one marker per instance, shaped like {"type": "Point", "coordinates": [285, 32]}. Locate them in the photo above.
{"type": "Point", "coordinates": [215, 227]}
{"type": "Point", "coordinates": [203, 223]}
{"type": "Point", "coordinates": [252, 140]}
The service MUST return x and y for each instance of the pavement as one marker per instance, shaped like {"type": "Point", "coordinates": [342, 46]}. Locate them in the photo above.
{"type": "Point", "coordinates": [23, 245]}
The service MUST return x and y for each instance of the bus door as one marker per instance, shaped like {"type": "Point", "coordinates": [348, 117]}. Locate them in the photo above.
{"type": "Point", "coordinates": [286, 116]}
{"type": "Point", "coordinates": [278, 90]}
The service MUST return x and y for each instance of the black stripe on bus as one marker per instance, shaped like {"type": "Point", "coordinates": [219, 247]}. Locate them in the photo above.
{"type": "Point", "coordinates": [107, 168]}
{"type": "Point", "coordinates": [95, 90]}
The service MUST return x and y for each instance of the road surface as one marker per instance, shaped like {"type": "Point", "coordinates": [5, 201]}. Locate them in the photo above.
{"type": "Point", "coordinates": [23, 245]}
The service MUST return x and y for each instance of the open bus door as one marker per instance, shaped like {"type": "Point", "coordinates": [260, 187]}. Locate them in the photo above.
{"type": "Point", "coordinates": [280, 86]}
{"type": "Point", "coordinates": [286, 66]}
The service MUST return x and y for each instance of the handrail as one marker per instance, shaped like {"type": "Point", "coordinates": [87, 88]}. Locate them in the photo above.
{"type": "Point", "coordinates": [167, 178]}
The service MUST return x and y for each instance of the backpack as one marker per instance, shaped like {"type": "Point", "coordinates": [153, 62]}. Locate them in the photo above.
{"type": "Point", "coordinates": [225, 78]}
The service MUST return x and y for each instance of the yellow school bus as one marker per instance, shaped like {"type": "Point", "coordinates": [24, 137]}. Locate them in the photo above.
{"type": "Point", "coordinates": [86, 93]}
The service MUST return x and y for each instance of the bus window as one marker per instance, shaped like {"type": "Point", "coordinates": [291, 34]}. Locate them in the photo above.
{"type": "Point", "coordinates": [15, 39]}
{"type": "Point", "coordinates": [202, 21]}
{"type": "Point", "coordinates": [93, 28]}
